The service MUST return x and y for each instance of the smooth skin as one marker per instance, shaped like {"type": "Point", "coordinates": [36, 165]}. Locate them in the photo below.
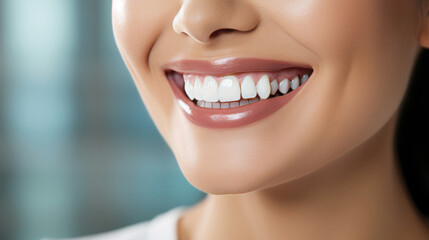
{"type": "Point", "coordinates": [323, 166]}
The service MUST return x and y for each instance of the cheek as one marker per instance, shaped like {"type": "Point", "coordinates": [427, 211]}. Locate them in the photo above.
{"type": "Point", "coordinates": [137, 25]}
{"type": "Point", "coordinates": [329, 28]}
{"type": "Point", "coordinates": [362, 70]}
{"type": "Point", "coordinates": [364, 47]}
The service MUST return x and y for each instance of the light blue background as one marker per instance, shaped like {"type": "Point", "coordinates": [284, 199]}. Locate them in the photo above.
{"type": "Point", "coordinates": [78, 152]}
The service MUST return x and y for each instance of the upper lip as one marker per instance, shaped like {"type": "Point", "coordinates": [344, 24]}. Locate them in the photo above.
{"type": "Point", "coordinates": [226, 66]}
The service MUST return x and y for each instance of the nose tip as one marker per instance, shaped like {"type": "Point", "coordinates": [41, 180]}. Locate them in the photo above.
{"type": "Point", "coordinates": [203, 20]}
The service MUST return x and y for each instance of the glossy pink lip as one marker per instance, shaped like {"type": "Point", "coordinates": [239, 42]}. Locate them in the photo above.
{"type": "Point", "coordinates": [231, 117]}
{"type": "Point", "coordinates": [225, 66]}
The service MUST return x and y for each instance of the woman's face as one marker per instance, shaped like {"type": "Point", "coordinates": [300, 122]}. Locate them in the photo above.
{"type": "Point", "coordinates": [358, 55]}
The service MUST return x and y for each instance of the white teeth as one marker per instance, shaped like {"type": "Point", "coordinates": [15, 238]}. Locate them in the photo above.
{"type": "Point", "coordinates": [229, 89]}
{"type": "Point", "coordinates": [216, 105]}
{"type": "Point", "coordinates": [224, 105]}
{"type": "Point", "coordinates": [210, 90]}
{"type": "Point", "coordinates": [198, 89]}
{"type": "Point", "coordinates": [295, 83]}
{"type": "Point", "coordinates": [207, 104]}
{"type": "Point", "coordinates": [189, 89]}
{"type": "Point", "coordinates": [274, 87]}
{"type": "Point", "coordinates": [229, 93]}
{"type": "Point", "coordinates": [254, 100]}
{"type": "Point", "coordinates": [304, 78]}
{"type": "Point", "coordinates": [244, 102]}
{"type": "Point", "coordinates": [248, 88]}
{"type": "Point", "coordinates": [284, 86]}
{"type": "Point", "coordinates": [234, 104]}
{"type": "Point", "coordinates": [263, 87]}
{"type": "Point", "coordinates": [200, 103]}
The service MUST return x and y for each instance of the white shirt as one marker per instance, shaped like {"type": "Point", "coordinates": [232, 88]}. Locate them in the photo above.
{"type": "Point", "coordinates": [162, 227]}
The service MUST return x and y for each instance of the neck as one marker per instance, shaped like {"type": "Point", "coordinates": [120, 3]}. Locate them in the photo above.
{"type": "Point", "coordinates": [360, 196]}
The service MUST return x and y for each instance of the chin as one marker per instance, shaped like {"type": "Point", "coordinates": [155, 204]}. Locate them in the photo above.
{"type": "Point", "coordinates": [220, 182]}
{"type": "Point", "coordinates": [220, 174]}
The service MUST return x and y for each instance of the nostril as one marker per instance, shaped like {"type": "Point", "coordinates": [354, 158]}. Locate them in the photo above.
{"type": "Point", "coordinates": [221, 31]}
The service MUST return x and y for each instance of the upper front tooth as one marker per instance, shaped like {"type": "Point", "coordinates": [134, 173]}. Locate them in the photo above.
{"type": "Point", "coordinates": [304, 78]}
{"type": "Point", "coordinates": [198, 89]}
{"type": "Point", "coordinates": [248, 88]}
{"type": "Point", "coordinates": [284, 86]}
{"type": "Point", "coordinates": [229, 89]}
{"type": "Point", "coordinates": [263, 87]}
{"type": "Point", "coordinates": [295, 83]}
{"type": "Point", "coordinates": [210, 90]}
{"type": "Point", "coordinates": [189, 89]}
{"type": "Point", "coordinates": [274, 86]}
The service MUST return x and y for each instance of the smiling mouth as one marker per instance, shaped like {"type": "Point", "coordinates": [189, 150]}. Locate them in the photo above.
{"type": "Point", "coordinates": [234, 92]}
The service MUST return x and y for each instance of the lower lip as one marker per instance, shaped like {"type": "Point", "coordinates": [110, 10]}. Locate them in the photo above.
{"type": "Point", "coordinates": [230, 117]}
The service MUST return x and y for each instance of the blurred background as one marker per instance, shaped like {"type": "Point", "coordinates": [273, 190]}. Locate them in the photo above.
{"type": "Point", "coordinates": [78, 152]}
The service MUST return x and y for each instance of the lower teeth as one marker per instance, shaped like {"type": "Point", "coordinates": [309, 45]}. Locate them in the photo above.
{"type": "Point", "coordinates": [224, 105]}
